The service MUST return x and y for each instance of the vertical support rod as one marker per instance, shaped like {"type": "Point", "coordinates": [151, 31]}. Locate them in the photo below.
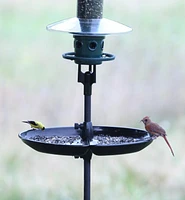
{"type": "Point", "coordinates": [87, 96]}
{"type": "Point", "coordinates": [88, 9]}
{"type": "Point", "coordinates": [87, 177]}
{"type": "Point", "coordinates": [87, 79]}
{"type": "Point", "coordinates": [87, 108]}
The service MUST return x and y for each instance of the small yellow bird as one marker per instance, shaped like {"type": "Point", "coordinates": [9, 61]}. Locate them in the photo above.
{"type": "Point", "coordinates": [35, 124]}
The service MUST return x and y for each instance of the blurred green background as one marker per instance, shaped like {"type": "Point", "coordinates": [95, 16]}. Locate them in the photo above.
{"type": "Point", "coordinates": [147, 78]}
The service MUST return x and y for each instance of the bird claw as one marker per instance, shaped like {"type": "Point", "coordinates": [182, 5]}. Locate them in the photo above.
{"type": "Point", "coordinates": [155, 137]}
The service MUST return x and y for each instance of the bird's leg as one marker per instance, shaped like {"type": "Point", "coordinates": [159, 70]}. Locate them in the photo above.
{"type": "Point", "coordinates": [154, 137]}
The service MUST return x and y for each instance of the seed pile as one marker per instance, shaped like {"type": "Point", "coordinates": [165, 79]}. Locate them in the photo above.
{"type": "Point", "coordinates": [58, 139]}
{"type": "Point", "coordinates": [77, 140]}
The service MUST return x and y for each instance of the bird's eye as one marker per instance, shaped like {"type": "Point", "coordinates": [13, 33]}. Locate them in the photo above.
{"type": "Point", "coordinates": [146, 120]}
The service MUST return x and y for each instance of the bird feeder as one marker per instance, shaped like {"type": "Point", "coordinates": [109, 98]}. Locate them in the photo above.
{"type": "Point", "coordinates": [84, 139]}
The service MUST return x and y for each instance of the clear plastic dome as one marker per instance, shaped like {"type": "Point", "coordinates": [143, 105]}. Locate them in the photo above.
{"type": "Point", "coordinates": [87, 27]}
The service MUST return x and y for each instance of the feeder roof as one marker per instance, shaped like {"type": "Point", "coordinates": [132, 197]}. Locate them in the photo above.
{"type": "Point", "coordinates": [96, 27]}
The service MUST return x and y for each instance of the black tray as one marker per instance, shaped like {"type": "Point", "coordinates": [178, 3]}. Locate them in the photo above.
{"type": "Point", "coordinates": [140, 141]}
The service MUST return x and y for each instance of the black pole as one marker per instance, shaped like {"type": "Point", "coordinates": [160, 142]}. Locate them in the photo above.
{"type": "Point", "coordinates": [87, 176]}
{"type": "Point", "coordinates": [88, 130]}
{"type": "Point", "coordinates": [87, 79]}
{"type": "Point", "coordinates": [88, 9]}
{"type": "Point", "coordinates": [87, 179]}
{"type": "Point", "coordinates": [87, 95]}
{"type": "Point", "coordinates": [87, 108]}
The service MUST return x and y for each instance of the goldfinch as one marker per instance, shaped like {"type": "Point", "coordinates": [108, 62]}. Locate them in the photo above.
{"type": "Point", "coordinates": [35, 124]}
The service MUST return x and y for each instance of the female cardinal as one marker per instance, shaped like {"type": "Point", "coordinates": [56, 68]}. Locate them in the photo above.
{"type": "Point", "coordinates": [155, 130]}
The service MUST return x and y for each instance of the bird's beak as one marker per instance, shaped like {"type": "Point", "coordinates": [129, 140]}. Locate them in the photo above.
{"type": "Point", "coordinates": [141, 121]}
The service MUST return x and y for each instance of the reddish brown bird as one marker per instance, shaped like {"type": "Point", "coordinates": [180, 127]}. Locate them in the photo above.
{"type": "Point", "coordinates": [155, 130]}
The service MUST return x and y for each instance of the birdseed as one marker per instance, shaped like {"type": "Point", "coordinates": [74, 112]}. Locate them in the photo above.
{"type": "Point", "coordinates": [77, 140]}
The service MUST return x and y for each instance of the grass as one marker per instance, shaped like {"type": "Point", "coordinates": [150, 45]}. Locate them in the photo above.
{"type": "Point", "coordinates": [147, 78]}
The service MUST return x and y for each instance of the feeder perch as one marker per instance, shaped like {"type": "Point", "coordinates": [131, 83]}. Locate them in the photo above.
{"type": "Point", "coordinates": [83, 139]}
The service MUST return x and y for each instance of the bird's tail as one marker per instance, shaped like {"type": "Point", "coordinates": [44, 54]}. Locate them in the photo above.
{"type": "Point", "coordinates": [25, 121]}
{"type": "Point", "coordinates": [168, 145]}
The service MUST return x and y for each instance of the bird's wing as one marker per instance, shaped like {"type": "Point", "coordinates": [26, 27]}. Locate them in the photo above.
{"type": "Point", "coordinates": [33, 123]}
{"type": "Point", "coordinates": [154, 128]}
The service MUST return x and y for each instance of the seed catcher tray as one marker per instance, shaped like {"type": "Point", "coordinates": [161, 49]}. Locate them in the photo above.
{"type": "Point", "coordinates": [68, 141]}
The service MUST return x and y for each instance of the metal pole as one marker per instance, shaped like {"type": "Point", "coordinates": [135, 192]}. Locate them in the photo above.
{"type": "Point", "coordinates": [88, 9]}
{"type": "Point", "coordinates": [87, 109]}
{"type": "Point", "coordinates": [87, 96]}
{"type": "Point", "coordinates": [87, 176]}
{"type": "Point", "coordinates": [88, 130]}
{"type": "Point", "coordinates": [87, 79]}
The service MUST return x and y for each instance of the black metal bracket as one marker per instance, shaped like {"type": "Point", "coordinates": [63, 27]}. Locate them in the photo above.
{"type": "Point", "coordinates": [87, 79]}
